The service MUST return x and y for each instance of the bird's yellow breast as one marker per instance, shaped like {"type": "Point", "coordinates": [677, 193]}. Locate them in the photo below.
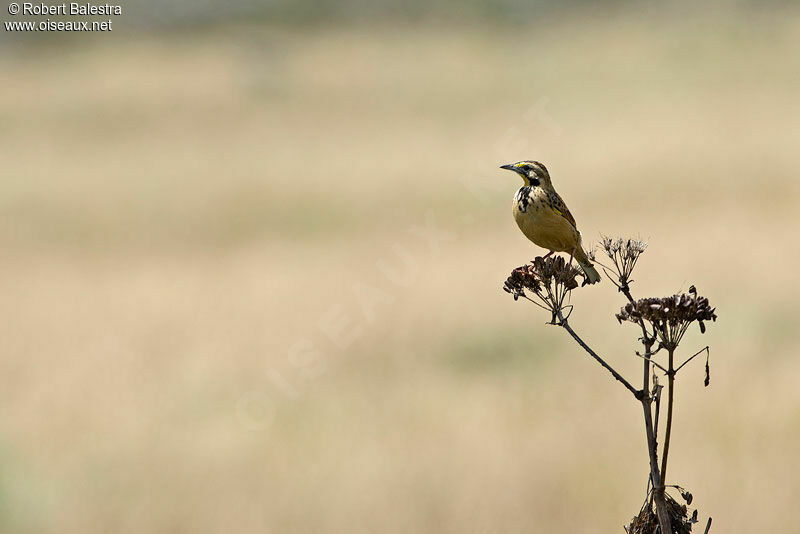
{"type": "Point", "coordinates": [541, 223]}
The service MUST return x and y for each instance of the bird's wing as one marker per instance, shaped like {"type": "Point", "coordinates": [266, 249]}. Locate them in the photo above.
{"type": "Point", "coordinates": [558, 205]}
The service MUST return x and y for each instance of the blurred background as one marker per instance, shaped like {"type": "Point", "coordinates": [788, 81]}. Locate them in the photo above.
{"type": "Point", "coordinates": [252, 259]}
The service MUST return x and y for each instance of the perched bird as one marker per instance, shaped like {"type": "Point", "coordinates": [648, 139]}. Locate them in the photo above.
{"type": "Point", "coordinates": [544, 218]}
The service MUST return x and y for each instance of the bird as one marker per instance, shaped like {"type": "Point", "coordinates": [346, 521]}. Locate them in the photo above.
{"type": "Point", "coordinates": [543, 216]}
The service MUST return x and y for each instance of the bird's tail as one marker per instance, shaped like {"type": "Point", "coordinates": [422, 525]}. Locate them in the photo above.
{"type": "Point", "coordinates": [592, 276]}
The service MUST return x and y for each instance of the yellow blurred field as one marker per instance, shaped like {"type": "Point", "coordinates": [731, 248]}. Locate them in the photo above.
{"type": "Point", "coordinates": [251, 277]}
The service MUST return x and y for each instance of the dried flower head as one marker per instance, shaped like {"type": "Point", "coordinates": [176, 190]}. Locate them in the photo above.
{"type": "Point", "coordinates": [549, 280]}
{"type": "Point", "coordinates": [647, 521]}
{"type": "Point", "coordinates": [670, 316]}
{"type": "Point", "coordinates": [624, 253]}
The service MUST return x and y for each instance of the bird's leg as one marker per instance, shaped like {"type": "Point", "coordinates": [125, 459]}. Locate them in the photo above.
{"type": "Point", "coordinates": [547, 255]}
{"type": "Point", "coordinates": [571, 255]}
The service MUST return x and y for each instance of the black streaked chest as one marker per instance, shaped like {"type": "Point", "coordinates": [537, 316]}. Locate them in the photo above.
{"type": "Point", "coordinates": [523, 199]}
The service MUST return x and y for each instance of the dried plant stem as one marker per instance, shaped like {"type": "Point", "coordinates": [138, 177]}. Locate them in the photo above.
{"type": "Point", "coordinates": [563, 322]}
{"type": "Point", "coordinates": [664, 520]}
{"type": "Point", "coordinates": [668, 430]}
{"type": "Point", "coordinates": [654, 363]}
{"type": "Point", "coordinates": [644, 397]}
{"type": "Point", "coordinates": [550, 280]}
{"type": "Point", "coordinates": [652, 448]}
{"type": "Point", "coordinates": [663, 322]}
{"type": "Point", "coordinates": [692, 357]}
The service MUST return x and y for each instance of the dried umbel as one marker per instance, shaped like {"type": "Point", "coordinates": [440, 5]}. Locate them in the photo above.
{"type": "Point", "coordinates": [670, 316]}
{"type": "Point", "coordinates": [624, 253]}
{"type": "Point", "coordinates": [647, 522]}
{"type": "Point", "coordinates": [549, 280]}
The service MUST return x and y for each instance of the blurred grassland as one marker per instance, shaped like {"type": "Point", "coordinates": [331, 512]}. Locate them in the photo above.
{"type": "Point", "coordinates": [177, 212]}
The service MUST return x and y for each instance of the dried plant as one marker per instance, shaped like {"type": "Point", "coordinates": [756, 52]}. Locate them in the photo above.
{"type": "Point", "coordinates": [646, 522]}
{"type": "Point", "coordinates": [549, 280]}
{"type": "Point", "coordinates": [548, 283]}
{"type": "Point", "coordinates": [623, 255]}
{"type": "Point", "coordinates": [670, 317]}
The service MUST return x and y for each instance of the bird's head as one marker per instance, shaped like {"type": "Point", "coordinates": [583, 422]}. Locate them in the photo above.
{"type": "Point", "coordinates": [532, 172]}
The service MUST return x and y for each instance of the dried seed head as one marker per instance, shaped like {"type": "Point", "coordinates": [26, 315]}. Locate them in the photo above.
{"type": "Point", "coordinates": [670, 316]}
{"type": "Point", "coordinates": [646, 522]}
{"type": "Point", "coordinates": [548, 279]}
{"type": "Point", "coordinates": [522, 278]}
{"type": "Point", "coordinates": [624, 253]}
{"type": "Point", "coordinates": [610, 245]}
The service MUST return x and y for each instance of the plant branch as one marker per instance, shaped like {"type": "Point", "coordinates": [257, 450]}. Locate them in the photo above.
{"type": "Point", "coordinates": [664, 520]}
{"type": "Point", "coordinates": [652, 449]}
{"type": "Point", "coordinates": [698, 353]}
{"type": "Point", "coordinates": [657, 398]}
{"type": "Point", "coordinates": [668, 431]}
{"type": "Point", "coordinates": [643, 396]}
{"type": "Point", "coordinates": [563, 322]}
{"type": "Point", "coordinates": [663, 322]}
{"type": "Point", "coordinates": [652, 361]}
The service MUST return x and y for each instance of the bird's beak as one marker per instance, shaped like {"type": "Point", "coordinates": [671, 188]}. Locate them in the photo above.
{"type": "Point", "coordinates": [511, 167]}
